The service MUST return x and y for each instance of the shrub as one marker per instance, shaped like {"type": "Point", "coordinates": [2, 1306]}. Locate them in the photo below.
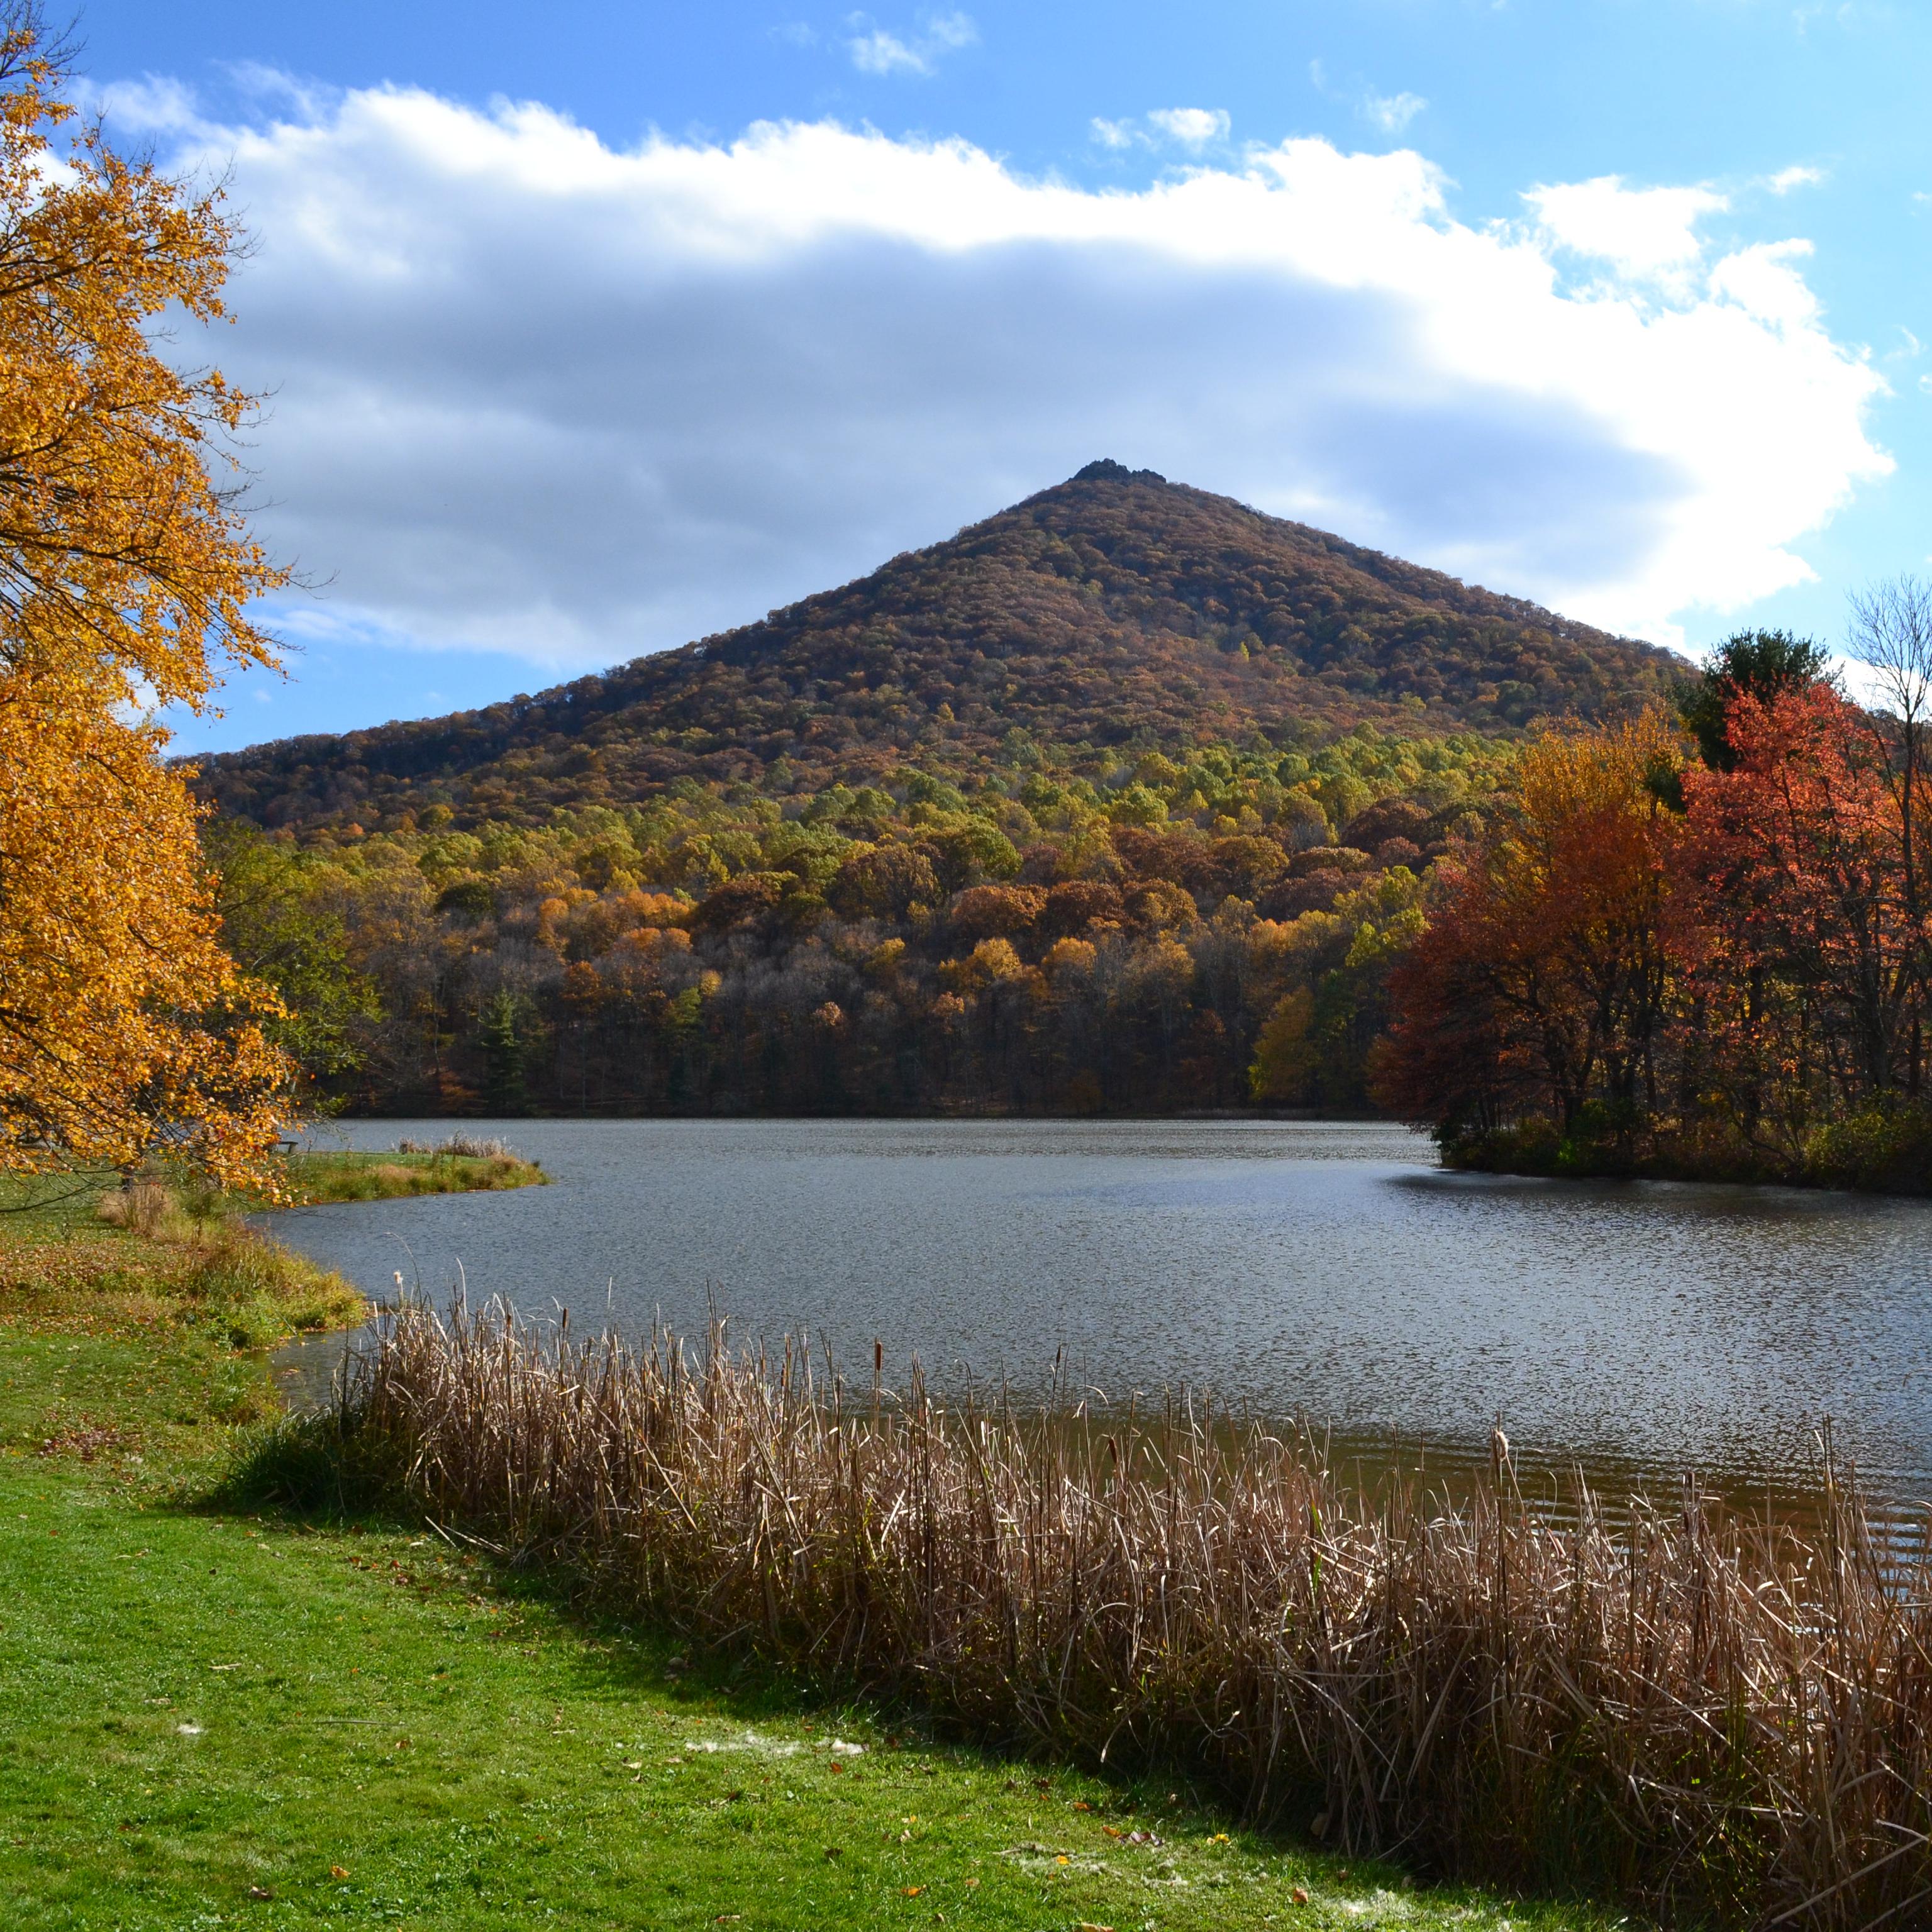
{"type": "Point", "coordinates": [143, 1208]}
{"type": "Point", "coordinates": [254, 1291]}
{"type": "Point", "coordinates": [1889, 1148]}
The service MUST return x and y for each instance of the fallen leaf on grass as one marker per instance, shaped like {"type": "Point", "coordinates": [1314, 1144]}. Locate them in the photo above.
{"type": "Point", "coordinates": [1088, 1925]}
{"type": "Point", "coordinates": [1300, 1895]}
{"type": "Point", "coordinates": [913, 1891]}
{"type": "Point", "coordinates": [260, 1892]}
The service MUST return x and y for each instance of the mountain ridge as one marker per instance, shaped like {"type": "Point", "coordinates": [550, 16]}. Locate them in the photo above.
{"type": "Point", "coordinates": [1114, 609]}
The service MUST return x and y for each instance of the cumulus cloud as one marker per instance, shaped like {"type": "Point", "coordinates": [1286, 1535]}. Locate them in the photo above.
{"type": "Point", "coordinates": [534, 393]}
{"type": "Point", "coordinates": [874, 50]}
{"type": "Point", "coordinates": [1785, 179]}
{"type": "Point", "coordinates": [1640, 231]}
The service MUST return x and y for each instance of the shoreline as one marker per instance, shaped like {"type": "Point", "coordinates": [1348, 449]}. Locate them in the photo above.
{"type": "Point", "coordinates": [235, 1676]}
{"type": "Point", "coordinates": [1886, 1158]}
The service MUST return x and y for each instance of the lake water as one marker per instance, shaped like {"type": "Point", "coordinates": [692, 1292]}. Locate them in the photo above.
{"type": "Point", "coordinates": [1327, 1272]}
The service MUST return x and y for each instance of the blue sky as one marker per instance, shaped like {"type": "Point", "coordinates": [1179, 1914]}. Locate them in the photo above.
{"type": "Point", "coordinates": [557, 382]}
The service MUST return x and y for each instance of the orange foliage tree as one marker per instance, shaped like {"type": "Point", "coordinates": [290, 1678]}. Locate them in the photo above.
{"type": "Point", "coordinates": [1803, 930]}
{"type": "Point", "coordinates": [125, 574]}
{"type": "Point", "coordinates": [1543, 974]}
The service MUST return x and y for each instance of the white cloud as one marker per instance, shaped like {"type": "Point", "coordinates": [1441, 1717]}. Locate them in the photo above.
{"type": "Point", "coordinates": [1191, 127]}
{"type": "Point", "coordinates": [537, 394]}
{"type": "Point", "coordinates": [879, 52]}
{"type": "Point", "coordinates": [1785, 179]}
{"type": "Point", "coordinates": [1640, 231]}
{"type": "Point", "coordinates": [155, 104]}
{"type": "Point", "coordinates": [876, 51]}
{"type": "Point", "coordinates": [1393, 112]}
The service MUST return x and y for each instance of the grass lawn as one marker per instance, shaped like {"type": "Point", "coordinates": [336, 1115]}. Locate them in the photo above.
{"type": "Point", "coordinates": [214, 1717]}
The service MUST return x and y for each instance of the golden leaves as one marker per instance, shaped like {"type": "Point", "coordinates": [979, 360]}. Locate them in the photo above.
{"type": "Point", "coordinates": [124, 572]}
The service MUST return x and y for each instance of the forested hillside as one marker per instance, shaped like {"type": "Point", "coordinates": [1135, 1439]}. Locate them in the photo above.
{"type": "Point", "coordinates": [1115, 609]}
{"type": "Point", "coordinates": [1124, 799]}
{"type": "Point", "coordinates": [1161, 935]}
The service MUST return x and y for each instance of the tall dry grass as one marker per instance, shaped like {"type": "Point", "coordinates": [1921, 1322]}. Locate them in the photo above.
{"type": "Point", "coordinates": [1711, 1719]}
{"type": "Point", "coordinates": [144, 1208]}
{"type": "Point", "coordinates": [462, 1145]}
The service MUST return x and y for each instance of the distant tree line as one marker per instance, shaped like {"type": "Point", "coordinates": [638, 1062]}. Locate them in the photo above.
{"type": "Point", "coordinates": [1055, 933]}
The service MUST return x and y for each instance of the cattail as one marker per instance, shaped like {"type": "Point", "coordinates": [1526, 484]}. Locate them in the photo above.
{"type": "Point", "coordinates": [1715, 1718]}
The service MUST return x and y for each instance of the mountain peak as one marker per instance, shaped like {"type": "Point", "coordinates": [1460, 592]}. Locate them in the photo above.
{"type": "Point", "coordinates": [1104, 469]}
{"type": "Point", "coordinates": [1106, 621]}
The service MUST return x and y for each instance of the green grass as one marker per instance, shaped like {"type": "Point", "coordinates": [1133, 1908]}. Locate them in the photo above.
{"type": "Point", "coordinates": [196, 1268]}
{"type": "Point", "coordinates": [316, 1178]}
{"type": "Point", "coordinates": [205, 1705]}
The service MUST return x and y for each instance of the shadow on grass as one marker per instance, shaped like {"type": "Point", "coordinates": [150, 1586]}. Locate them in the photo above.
{"type": "Point", "coordinates": [320, 1470]}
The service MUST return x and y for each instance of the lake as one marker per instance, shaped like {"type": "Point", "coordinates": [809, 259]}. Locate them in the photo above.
{"type": "Point", "coordinates": [1324, 1272]}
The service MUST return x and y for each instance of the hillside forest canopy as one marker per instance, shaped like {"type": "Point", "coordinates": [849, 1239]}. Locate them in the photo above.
{"type": "Point", "coordinates": [1122, 799]}
{"type": "Point", "coordinates": [1693, 939]}
{"type": "Point", "coordinates": [1030, 937]}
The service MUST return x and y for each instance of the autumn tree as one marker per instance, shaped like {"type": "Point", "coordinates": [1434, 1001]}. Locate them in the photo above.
{"type": "Point", "coordinates": [126, 571]}
{"type": "Point", "coordinates": [1759, 664]}
{"type": "Point", "coordinates": [1804, 900]}
{"type": "Point", "coordinates": [277, 927]}
{"type": "Point", "coordinates": [1540, 984]}
{"type": "Point", "coordinates": [1891, 638]}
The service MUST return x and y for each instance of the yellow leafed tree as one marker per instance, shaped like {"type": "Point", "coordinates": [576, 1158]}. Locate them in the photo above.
{"type": "Point", "coordinates": [126, 572]}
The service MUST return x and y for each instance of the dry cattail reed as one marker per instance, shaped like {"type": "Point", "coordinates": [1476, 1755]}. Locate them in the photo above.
{"type": "Point", "coordinates": [1711, 1718]}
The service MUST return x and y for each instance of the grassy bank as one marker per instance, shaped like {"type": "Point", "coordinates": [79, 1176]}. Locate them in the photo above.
{"type": "Point", "coordinates": [220, 1712]}
{"type": "Point", "coordinates": [459, 1165]}
{"type": "Point", "coordinates": [80, 1247]}
{"type": "Point", "coordinates": [1885, 1151]}
{"type": "Point", "coordinates": [1714, 1720]}
{"type": "Point", "coordinates": [163, 1248]}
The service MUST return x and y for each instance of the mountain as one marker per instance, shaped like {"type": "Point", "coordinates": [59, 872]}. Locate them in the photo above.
{"type": "Point", "coordinates": [1115, 608]}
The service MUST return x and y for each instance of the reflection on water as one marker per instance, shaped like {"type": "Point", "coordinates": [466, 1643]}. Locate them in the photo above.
{"type": "Point", "coordinates": [1323, 1272]}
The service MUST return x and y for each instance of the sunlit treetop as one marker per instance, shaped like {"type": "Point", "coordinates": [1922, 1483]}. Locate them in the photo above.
{"type": "Point", "coordinates": [126, 570]}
